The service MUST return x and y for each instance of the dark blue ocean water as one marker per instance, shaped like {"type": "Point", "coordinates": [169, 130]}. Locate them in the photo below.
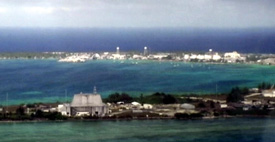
{"type": "Point", "coordinates": [134, 39]}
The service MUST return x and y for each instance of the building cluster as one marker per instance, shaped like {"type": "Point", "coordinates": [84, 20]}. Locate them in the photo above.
{"type": "Point", "coordinates": [76, 57]}
{"type": "Point", "coordinates": [91, 104]}
{"type": "Point", "coordinates": [229, 57]}
{"type": "Point", "coordinates": [267, 61]}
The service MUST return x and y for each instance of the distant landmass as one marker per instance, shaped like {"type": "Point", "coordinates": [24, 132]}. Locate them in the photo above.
{"type": "Point", "coordinates": [134, 39]}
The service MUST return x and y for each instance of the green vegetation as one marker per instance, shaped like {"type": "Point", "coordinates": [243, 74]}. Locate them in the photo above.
{"type": "Point", "coordinates": [156, 98]}
{"type": "Point", "coordinates": [48, 115]}
{"type": "Point", "coordinates": [116, 97]}
{"type": "Point", "coordinates": [203, 108]}
{"type": "Point", "coordinates": [20, 115]}
{"type": "Point", "coordinates": [237, 94]}
{"type": "Point", "coordinates": [30, 55]}
{"type": "Point", "coordinates": [160, 98]}
{"type": "Point", "coordinates": [264, 85]}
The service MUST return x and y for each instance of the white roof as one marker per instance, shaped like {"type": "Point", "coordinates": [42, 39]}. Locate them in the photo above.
{"type": "Point", "coordinates": [135, 103]}
{"type": "Point", "coordinates": [187, 106]}
{"type": "Point", "coordinates": [87, 100]}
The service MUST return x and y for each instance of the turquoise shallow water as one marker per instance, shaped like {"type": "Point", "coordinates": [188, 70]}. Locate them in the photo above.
{"type": "Point", "coordinates": [219, 130]}
{"type": "Point", "coordinates": [46, 80]}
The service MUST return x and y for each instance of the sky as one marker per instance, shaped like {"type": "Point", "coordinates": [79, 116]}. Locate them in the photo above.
{"type": "Point", "coordinates": [138, 13]}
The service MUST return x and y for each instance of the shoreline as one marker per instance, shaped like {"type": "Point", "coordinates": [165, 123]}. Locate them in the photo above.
{"type": "Point", "coordinates": [135, 60]}
{"type": "Point", "coordinates": [137, 119]}
{"type": "Point", "coordinates": [81, 57]}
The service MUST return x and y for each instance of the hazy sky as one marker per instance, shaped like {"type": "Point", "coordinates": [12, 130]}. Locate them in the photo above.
{"type": "Point", "coordinates": [138, 13]}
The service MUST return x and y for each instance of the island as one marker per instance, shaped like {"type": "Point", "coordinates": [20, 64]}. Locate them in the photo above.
{"type": "Point", "coordinates": [204, 57]}
{"type": "Point", "coordinates": [239, 102]}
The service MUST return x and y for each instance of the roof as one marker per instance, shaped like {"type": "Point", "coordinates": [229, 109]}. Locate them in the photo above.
{"type": "Point", "coordinates": [87, 100]}
{"type": "Point", "coordinates": [270, 91]}
{"type": "Point", "coordinates": [187, 106]}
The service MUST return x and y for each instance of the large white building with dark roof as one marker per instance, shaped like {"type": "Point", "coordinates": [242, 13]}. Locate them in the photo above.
{"type": "Point", "coordinates": [88, 104]}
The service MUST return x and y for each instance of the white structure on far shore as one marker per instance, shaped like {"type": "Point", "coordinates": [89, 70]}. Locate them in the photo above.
{"type": "Point", "coordinates": [76, 58]}
{"type": "Point", "coordinates": [117, 50]}
{"type": "Point", "coordinates": [145, 51]}
{"type": "Point", "coordinates": [232, 55]}
{"type": "Point", "coordinates": [117, 55]}
{"type": "Point", "coordinates": [186, 57]}
{"type": "Point", "coordinates": [216, 57]}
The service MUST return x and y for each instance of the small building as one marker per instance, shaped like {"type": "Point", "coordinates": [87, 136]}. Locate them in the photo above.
{"type": "Point", "coordinates": [187, 106]}
{"type": "Point", "coordinates": [216, 57]}
{"type": "Point", "coordinates": [118, 57]}
{"type": "Point", "coordinates": [269, 93]}
{"type": "Point", "coordinates": [269, 61]}
{"type": "Point", "coordinates": [136, 104]}
{"type": "Point", "coordinates": [232, 55]}
{"type": "Point", "coordinates": [193, 56]}
{"type": "Point", "coordinates": [223, 105]}
{"type": "Point", "coordinates": [64, 109]}
{"type": "Point", "coordinates": [147, 106]}
{"type": "Point", "coordinates": [120, 103]}
{"type": "Point", "coordinates": [186, 57]}
{"type": "Point", "coordinates": [88, 104]}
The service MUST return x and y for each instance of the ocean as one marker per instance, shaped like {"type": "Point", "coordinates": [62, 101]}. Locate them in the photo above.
{"type": "Point", "coordinates": [217, 130]}
{"type": "Point", "coordinates": [257, 40]}
{"type": "Point", "coordinates": [32, 81]}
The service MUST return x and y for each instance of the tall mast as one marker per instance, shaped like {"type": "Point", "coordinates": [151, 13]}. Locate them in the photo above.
{"type": "Point", "coordinates": [66, 98]}
{"type": "Point", "coordinates": [95, 90]}
{"type": "Point", "coordinates": [7, 100]}
{"type": "Point", "coordinates": [145, 52]}
{"type": "Point", "coordinates": [216, 91]}
{"type": "Point", "coordinates": [117, 50]}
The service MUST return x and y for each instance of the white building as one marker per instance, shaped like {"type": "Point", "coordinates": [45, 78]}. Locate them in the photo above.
{"type": "Point", "coordinates": [137, 57]}
{"type": "Point", "coordinates": [200, 57]}
{"type": "Point", "coordinates": [64, 109]}
{"type": "Point", "coordinates": [96, 56]}
{"type": "Point", "coordinates": [88, 104]}
{"type": "Point", "coordinates": [232, 55]}
{"type": "Point", "coordinates": [118, 57]}
{"type": "Point", "coordinates": [193, 56]}
{"type": "Point", "coordinates": [207, 57]}
{"type": "Point", "coordinates": [158, 56]}
{"type": "Point", "coordinates": [147, 106]}
{"type": "Point", "coordinates": [216, 57]}
{"type": "Point", "coordinates": [269, 61]}
{"type": "Point", "coordinates": [75, 58]}
{"type": "Point", "coordinates": [187, 106]}
{"type": "Point", "coordinates": [186, 57]}
{"type": "Point", "coordinates": [269, 93]}
{"type": "Point", "coordinates": [223, 105]}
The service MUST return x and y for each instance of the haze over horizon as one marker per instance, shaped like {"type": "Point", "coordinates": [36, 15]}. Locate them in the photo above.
{"type": "Point", "coordinates": [162, 25]}
{"type": "Point", "coordinates": [138, 13]}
